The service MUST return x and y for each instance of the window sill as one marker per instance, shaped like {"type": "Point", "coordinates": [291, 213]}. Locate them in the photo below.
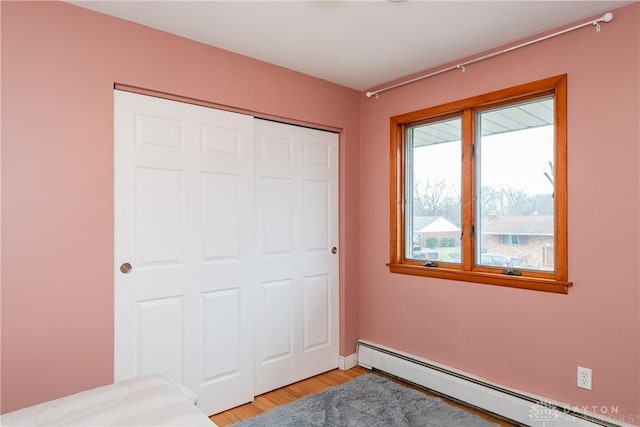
{"type": "Point", "coordinates": [530, 283]}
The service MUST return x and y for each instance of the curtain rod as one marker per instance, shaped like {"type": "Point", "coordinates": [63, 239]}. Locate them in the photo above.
{"type": "Point", "coordinates": [607, 17]}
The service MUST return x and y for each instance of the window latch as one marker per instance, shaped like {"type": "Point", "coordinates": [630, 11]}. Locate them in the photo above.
{"type": "Point", "coordinates": [512, 272]}
{"type": "Point", "coordinates": [429, 264]}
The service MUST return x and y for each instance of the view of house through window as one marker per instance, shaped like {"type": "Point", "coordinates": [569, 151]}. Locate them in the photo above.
{"type": "Point", "coordinates": [479, 189]}
{"type": "Point", "coordinates": [514, 153]}
{"type": "Point", "coordinates": [434, 183]}
{"type": "Point", "coordinates": [514, 169]}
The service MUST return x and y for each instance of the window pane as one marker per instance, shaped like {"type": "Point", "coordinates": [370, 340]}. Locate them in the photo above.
{"type": "Point", "coordinates": [515, 157]}
{"type": "Point", "coordinates": [434, 179]}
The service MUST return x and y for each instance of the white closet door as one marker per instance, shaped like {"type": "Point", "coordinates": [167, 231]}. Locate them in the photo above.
{"type": "Point", "coordinates": [297, 273]}
{"type": "Point", "coordinates": [183, 221]}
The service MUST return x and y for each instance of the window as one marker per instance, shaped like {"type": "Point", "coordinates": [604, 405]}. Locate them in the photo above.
{"type": "Point", "coordinates": [478, 189]}
{"type": "Point", "coordinates": [513, 239]}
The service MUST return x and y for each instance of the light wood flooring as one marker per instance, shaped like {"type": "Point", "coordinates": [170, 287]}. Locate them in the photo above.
{"type": "Point", "coordinates": [316, 384]}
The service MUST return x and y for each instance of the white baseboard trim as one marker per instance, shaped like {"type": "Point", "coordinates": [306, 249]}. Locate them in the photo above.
{"type": "Point", "coordinates": [513, 404]}
{"type": "Point", "coordinates": [348, 362]}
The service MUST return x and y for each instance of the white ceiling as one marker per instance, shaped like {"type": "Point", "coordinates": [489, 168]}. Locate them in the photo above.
{"type": "Point", "coordinates": [358, 44]}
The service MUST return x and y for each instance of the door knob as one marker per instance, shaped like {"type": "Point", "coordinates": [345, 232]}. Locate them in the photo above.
{"type": "Point", "coordinates": [125, 268]}
{"type": "Point", "coordinates": [334, 250]}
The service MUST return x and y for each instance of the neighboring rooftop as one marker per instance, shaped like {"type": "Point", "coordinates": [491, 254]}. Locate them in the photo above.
{"type": "Point", "coordinates": [531, 225]}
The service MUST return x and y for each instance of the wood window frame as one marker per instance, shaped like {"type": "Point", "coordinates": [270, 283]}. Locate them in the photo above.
{"type": "Point", "coordinates": [468, 271]}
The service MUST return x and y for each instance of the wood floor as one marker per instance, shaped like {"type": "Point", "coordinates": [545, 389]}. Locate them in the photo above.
{"type": "Point", "coordinates": [316, 384]}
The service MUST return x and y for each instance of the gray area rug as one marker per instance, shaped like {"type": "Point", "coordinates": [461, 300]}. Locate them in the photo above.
{"type": "Point", "coordinates": [369, 400]}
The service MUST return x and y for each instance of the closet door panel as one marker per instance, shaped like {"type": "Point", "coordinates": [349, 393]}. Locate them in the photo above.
{"type": "Point", "coordinates": [317, 311]}
{"type": "Point", "coordinates": [221, 308]}
{"type": "Point", "coordinates": [277, 314]}
{"type": "Point", "coordinates": [184, 223]}
{"type": "Point", "coordinates": [297, 227]}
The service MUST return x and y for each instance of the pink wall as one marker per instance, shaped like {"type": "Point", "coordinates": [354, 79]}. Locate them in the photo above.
{"type": "Point", "coordinates": [59, 64]}
{"type": "Point", "coordinates": [530, 340]}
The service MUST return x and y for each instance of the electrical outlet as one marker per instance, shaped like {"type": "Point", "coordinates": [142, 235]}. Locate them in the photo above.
{"type": "Point", "coordinates": [584, 377]}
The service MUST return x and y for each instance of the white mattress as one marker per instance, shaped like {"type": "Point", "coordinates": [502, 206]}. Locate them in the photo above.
{"type": "Point", "coordinates": [152, 400]}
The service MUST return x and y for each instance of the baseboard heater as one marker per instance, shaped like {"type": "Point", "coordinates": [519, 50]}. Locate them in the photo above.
{"type": "Point", "coordinates": [514, 405]}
